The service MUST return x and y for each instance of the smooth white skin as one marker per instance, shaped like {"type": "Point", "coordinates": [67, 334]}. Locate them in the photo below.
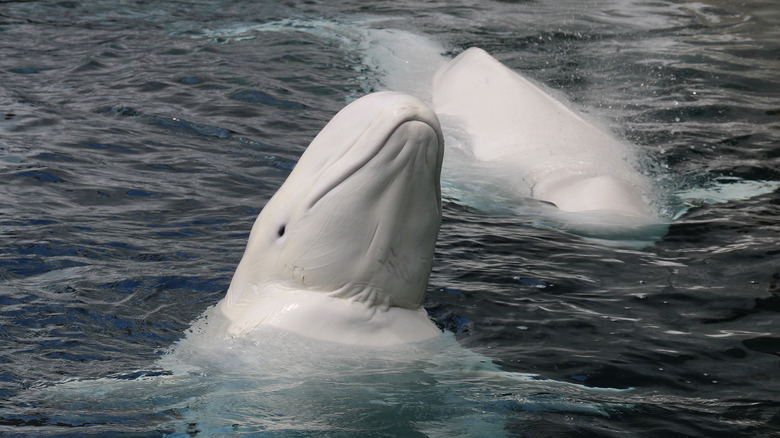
{"type": "Point", "coordinates": [536, 141]}
{"type": "Point", "coordinates": [343, 251]}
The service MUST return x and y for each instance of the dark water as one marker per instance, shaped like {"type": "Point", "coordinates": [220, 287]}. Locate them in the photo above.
{"type": "Point", "coordinates": [138, 142]}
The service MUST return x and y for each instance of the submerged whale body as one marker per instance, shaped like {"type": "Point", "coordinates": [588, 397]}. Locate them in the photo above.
{"type": "Point", "coordinates": [343, 251]}
{"type": "Point", "coordinates": [537, 146]}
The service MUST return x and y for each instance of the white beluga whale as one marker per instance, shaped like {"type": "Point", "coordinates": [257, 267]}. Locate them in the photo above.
{"type": "Point", "coordinates": [536, 146]}
{"type": "Point", "coordinates": [343, 251]}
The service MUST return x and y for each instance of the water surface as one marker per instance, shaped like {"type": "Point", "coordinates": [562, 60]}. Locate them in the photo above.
{"type": "Point", "coordinates": [139, 141]}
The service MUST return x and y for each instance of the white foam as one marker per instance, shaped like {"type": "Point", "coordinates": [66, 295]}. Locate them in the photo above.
{"type": "Point", "coordinates": [722, 190]}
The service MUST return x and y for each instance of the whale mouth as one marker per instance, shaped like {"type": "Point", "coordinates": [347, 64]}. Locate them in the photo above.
{"type": "Point", "coordinates": [376, 148]}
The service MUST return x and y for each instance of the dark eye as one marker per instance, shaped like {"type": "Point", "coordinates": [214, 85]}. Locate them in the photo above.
{"type": "Point", "coordinates": [280, 231]}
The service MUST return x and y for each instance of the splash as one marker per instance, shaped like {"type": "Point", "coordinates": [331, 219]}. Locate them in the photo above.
{"type": "Point", "coordinates": [271, 381]}
{"type": "Point", "coordinates": [719, 191]}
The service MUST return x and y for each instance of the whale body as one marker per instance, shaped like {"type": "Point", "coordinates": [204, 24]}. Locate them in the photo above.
{"type": "Point", "coordinates": [343, 251]}
{"type": "Point", "coordinates": [537, 145]}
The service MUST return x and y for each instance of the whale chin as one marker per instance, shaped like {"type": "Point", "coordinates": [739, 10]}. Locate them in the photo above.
{"type": "Point", "coordinates": [343, 251]}
{"type": "Point", "coordinates": [317, 315]}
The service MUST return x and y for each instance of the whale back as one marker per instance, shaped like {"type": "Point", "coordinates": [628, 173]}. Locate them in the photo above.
{"type": "Point", "coordinates": [535, 139]}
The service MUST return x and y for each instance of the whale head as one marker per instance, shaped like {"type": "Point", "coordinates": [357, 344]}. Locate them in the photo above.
{"type": "Point", "coordinates": [356, 220]}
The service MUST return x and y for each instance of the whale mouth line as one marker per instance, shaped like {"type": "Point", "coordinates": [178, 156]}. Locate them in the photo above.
{"type": "Point", "coordinates": [362, 163]}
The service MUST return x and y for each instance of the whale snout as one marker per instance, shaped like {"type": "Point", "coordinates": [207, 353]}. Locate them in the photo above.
{"type": "Point", "coordinates": [376, 132]}
{"type": "Point", "coordinates": [413, 120]}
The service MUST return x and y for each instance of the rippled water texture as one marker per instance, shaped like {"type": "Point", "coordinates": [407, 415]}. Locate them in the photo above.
{"type": "Point", "coordinates": [138, 142]}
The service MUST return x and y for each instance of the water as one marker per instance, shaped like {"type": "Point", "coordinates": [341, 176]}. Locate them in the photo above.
{"type": "Point", "coordinates": [138, 142]}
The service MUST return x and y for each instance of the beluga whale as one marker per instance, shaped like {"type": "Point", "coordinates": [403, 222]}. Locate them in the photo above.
{"type": "Point", "coordinates": [343, 251]}
{"type": "Point", "coordinates": [535, 145]}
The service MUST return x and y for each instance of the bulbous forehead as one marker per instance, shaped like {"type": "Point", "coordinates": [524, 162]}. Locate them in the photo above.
{"type": "Point", "coordinates": [356, 135]}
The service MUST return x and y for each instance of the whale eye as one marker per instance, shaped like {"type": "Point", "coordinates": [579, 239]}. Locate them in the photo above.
{"type": "Point", "coordinates": [280, 231]}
